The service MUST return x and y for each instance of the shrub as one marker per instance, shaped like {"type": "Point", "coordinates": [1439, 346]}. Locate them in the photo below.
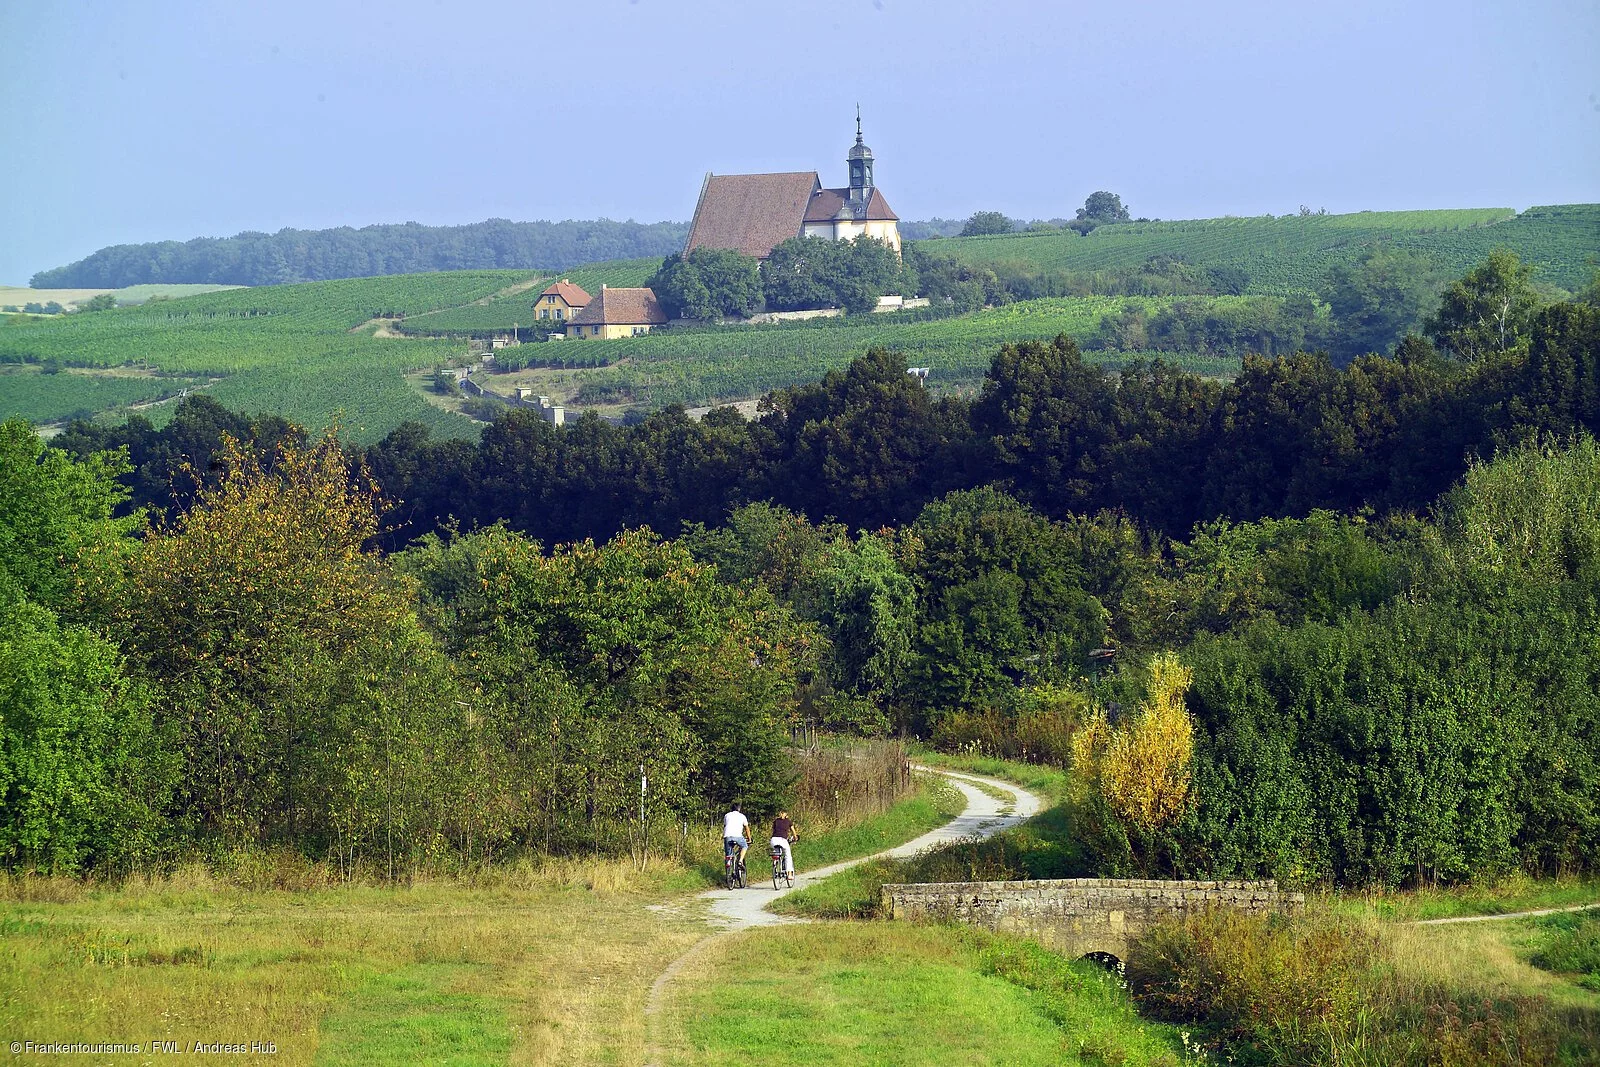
{"type": "Point", "coordinates": [1037, 728]}
{"type": "Point", "coordinates": [1319, 989]}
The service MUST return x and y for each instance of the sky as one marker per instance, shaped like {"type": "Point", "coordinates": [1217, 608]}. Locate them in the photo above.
{"type": "Point", "coordinates": [140, 121]}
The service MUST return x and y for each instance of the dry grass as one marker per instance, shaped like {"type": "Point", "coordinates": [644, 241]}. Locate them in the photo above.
{"type": "Point", "coordinates": [1330, 989]}
{"type": "Point", "coordinates": [843, 785]}
{"type": "Point", "coordinates": [1483, 959]}
{"type": "Point", "coordinates": [561, 955]}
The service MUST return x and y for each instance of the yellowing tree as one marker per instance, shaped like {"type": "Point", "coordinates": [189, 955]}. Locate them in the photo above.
{"type": "Point", "coordinates": [1141, 766]}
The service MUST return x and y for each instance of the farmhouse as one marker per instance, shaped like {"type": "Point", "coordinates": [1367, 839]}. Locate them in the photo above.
{"type": "Point", "coordinates": [751, 213]}
{"type": "Point", "coordinates": [617, 313]}
{"type": "Point", "coordinates": [561, 301]}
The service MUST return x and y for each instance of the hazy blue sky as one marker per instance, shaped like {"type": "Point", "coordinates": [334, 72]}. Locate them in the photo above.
{"type": "Point", "coordinates": [137, 121]}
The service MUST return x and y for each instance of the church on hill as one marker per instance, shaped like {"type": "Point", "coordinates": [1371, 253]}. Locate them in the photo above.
{"type": "Point", "coordinates": [752, 212]}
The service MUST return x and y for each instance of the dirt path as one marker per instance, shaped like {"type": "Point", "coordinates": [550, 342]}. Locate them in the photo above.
{"type": "Point", "coordinates": [741, 909]}
{"type": "Point", "coordinates": [1507, 915]}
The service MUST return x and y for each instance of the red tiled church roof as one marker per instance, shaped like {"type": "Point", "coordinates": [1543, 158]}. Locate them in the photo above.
{"type": "Point", "coordinates": [751, 212]}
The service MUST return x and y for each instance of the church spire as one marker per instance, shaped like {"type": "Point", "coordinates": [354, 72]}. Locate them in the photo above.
{"type": "Point", "coordinates": [860, 162]}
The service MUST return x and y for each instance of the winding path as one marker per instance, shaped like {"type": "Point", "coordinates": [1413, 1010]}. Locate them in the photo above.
{"type": "Point", "coordinates": [740, 909]}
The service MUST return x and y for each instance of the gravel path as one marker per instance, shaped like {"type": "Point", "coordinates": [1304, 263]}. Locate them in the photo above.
{"type": "Point", "coordinates": [737, 909]}
{"type": "Point", "coordinates": [741, 909]}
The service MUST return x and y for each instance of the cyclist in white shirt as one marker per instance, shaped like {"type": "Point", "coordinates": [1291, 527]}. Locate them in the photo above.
{"type": "Point", "coordinates": [736, 831]}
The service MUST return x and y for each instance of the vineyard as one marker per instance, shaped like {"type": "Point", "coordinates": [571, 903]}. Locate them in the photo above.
{"type": "Point", "coordinates": [310, 352]}
{"type": "Point", "coordinates": [501, 313]}
{"type": "Point", "coordinates": [284, 349]}
{"type": "Point", "coordinates": [1284, 256]}
{"type": "Point", "coordinates": [27, 392]}
{"type": "Point", "coordinates": [691, 367]}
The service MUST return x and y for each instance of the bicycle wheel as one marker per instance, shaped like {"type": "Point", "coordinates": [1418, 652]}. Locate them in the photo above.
{"type": "Point", "coordinates": [777, 871]}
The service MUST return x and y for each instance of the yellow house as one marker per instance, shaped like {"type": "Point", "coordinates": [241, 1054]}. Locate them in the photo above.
{"type": "Point", "coordinates": [561, 301]}
{"type": "Point", "coordinates": [617, 313]}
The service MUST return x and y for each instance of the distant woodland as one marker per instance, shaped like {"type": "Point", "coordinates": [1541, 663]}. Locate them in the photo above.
{"type": "Point", "coordinates": [253, 258]}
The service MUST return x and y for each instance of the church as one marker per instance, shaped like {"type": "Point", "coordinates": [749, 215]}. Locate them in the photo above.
{"type": "Point", "coordinates": [751, 213]}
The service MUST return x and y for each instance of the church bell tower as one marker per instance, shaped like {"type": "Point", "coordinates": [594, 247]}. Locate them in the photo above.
{"type": "Point", "coordinates": [860, 161]}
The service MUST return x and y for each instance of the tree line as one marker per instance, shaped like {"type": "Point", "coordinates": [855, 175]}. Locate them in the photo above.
{"type": "Point", "coordinates": [253, 258]}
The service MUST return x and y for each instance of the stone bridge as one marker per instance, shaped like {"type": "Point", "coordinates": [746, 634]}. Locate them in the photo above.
{"type": "Point", "coordinates": [1079, 916]}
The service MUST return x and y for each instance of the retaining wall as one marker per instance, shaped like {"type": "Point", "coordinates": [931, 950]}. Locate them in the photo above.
{"type": "Point", "coordinates": [1077, 916]}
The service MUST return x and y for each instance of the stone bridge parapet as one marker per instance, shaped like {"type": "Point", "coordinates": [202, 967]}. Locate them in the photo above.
{"type": "Point", "coordinates": [1078, 916]}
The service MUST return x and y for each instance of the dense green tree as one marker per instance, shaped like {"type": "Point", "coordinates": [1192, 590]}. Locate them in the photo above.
{"type": "Point", "coordinates": [1042, 420]}
{"type": "Point", "coordinates": [54, 512]}
{"type": "Point", "coordinates": [83, 772]}
{"type": "Point", "coordinates": [983, 223]}
{"type": "Point", "coordinates": [170, 463]}
{"type": "Point", "coordinates": [1003, 601]}
{"type": "Point", "coordinates": [708, 283]}
{"type": "Point", "coordinates": [655, 662]}
{"type": "Point", "coordinates": [1488, 312]}
{"type": "Point", "coordinates": [867, 607]}
{"type": "Point", "coordinates": [798, 274]}
{"type": "Point", "coordinates": [804, 273]}
{"type": "Point", "coordinates": [1376, 300]}
{"type": "Point", "coordinates": [99, 302]}
{"type": "Point", "coordinates": [261, 616]}
{"type": "Point", "coordinates": [1100, 209]}
{"type": "Point", "coordinates": [862, 446]}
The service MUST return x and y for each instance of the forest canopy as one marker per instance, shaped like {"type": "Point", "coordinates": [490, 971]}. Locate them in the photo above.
{"type": "Point", "coordinates": [253, 258]}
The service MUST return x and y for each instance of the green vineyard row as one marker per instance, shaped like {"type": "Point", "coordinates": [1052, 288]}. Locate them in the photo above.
{"type": "Point", "coordinates": [1283, 256]}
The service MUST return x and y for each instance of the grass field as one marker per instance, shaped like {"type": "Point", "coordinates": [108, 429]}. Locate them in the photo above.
{"type": "Point", "coordinates": [18, 296]}
{"type": "Point", "coordinates": [893, 994]}
{"type": "Point", "coordinates": [525, 964]}
{"type": "Point", "coordinates": [1292, 254]}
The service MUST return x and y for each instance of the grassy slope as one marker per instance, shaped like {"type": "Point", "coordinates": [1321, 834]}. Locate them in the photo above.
{"type": "Point", "coordinates": [880, 994]}
{"type": "Point", "coordinates": [18, 296]}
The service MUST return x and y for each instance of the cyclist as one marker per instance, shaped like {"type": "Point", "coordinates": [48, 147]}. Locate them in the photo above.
{"type": "Point", "coordinates": [735, 833]}
{"type": "Point", "coordinates": [783, 836]}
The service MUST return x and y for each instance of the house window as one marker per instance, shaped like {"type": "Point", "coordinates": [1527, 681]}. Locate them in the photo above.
{"type": "Point", "coordinates": [544, 313]}
{"type": "Point", "coordinates": [558, 312]}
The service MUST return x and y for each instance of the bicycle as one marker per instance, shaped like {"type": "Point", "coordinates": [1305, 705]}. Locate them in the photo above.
{"type": "Point", "coordinates": [732, 866]}
{"type": "Point", "coordinates": [780, 869]}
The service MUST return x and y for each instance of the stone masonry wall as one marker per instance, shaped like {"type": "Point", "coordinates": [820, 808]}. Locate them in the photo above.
{"type": "Point", "coordinates": [1079, 915]}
